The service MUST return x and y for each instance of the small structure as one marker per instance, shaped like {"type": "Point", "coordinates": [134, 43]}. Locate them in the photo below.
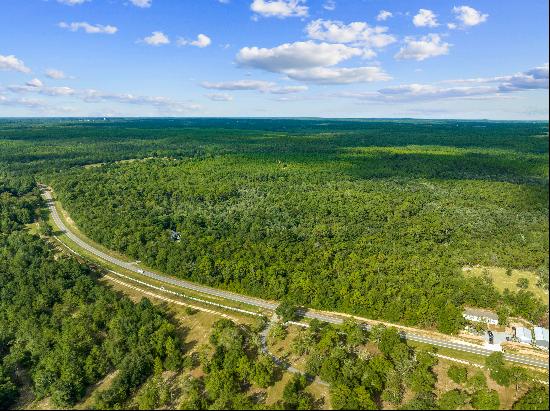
{"type": "Point", "coordinates": [524, 335]}
{"type": "Point", "coordinates": [541, 337]}
{"type": "Point", "coordinates": [480, 316]}
{"type": "Point", "coordinates": [175, 236]}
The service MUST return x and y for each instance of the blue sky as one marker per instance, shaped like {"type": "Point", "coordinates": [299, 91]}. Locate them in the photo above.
{"type": "Point", "coordinates": [341, 58]}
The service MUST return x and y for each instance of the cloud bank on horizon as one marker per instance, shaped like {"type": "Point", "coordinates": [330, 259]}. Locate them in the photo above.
{"type": "Point", "coordinates": [274, 58]}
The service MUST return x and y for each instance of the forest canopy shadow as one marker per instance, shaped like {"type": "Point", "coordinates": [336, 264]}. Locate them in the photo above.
{"type": "Point", "coordinates": [414, 162]}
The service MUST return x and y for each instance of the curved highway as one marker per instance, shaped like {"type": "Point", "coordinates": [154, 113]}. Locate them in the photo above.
{"type": "Point", "coordinates": [256, 302]}
{"type": "Point", "coordinates": [129, 266]}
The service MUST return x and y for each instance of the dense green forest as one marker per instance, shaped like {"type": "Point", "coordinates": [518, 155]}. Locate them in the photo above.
{"type": "Point", "coordinates": [62, 331]}
{"type": "Point", "coordinates": [369, 217]}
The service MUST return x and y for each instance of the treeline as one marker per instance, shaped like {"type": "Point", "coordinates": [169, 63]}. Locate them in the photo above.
{"type": "Point", "coordinates": [44, 146]}
{"type": "Point", "coordinates": [60, 330]}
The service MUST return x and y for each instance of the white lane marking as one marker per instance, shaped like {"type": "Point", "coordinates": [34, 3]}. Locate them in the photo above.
{"type": "Point", "coordinates": [170, 291]}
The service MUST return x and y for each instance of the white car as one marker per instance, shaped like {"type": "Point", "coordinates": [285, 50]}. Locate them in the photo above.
{"type": "Point", "coordinates": [140, 271]}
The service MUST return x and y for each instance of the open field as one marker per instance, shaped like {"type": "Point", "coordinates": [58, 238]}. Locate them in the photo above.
{"type": "Point", "coordinates": [503, 281]}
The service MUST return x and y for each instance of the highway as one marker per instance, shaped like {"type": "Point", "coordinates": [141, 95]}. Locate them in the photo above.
{"type": "Point", "coordinates": [256, 302]}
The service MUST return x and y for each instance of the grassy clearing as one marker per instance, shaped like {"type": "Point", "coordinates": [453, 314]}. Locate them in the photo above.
{"type": "Point", "coordinates": [501, 280]}
{"type": "Point", "coordinates": [283, 347]}
{"type": "Point", "coordinates": [33, 228]}
{"type": "Point", "coordinates": [89, 399]}
{"type": "Point", "coordinates": [275, 392]}
{"type": "Point", "coordinates": [507, 395]}
{"type": "Point", "coordinates": [319, 392]}
{"type": "Point", "coordinates": [457, 354]}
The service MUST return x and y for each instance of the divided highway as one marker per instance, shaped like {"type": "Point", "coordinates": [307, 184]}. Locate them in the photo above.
{"type": "Point", "coordinates": [256, 302]}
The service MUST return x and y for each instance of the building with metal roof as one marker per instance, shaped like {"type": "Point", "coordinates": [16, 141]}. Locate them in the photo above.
{"type": "Point", "coordinates": [480, 316]}
{"type": "Point", "coordinates": [524, 335]}
{"type": "Point", "coordinates": [541, 337]}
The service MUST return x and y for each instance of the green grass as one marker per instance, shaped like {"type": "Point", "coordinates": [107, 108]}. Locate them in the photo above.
{"type": "Point", "coordinates": [502, 281]}
{"type": "Point", "coordinates": [33, 228]}
{"type": "Point", "coordinates": [459, 355]}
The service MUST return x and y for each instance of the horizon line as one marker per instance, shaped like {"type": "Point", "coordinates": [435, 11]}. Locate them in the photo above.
{"type": "Point", "coordinates": [269, 118]}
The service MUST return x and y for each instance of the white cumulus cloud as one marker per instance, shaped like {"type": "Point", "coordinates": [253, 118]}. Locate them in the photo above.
{"type": "Point", "coordinates": [13, 63]}
{"type": "Point", "coordinates": [160, 102]}
{"type": "Point", "coordinates": [339, 75]}
{"type": "Point", "coordinates": [309, 61]}
{"type": "Point", "coordinates": [288, 89]}
{"type": "Point", "coordinates": [157, 38]}
{"type": "Point", "coordinates": [358, 32]}
{"type": "Point", "coordinates": [468, 16]}
{"type": "Point", "coordinates": [384, 15]}
{"type": "Point", "coordinates": [58, 91]}
{"type": "Point", "coordinates": [427, 91]}
{"type": "Point", "coordinates": [298, 55]}
{"type": "Point", "coordinates": [163, 104]}
{"type": "Point", "coordinates": [425, 18]}
{"type": "Point", "coordinates": [202, 41]}
{"type": "Point", "coordinates": [536, 78]}
{"type": "Point", "coordinates": [423, 48]}
{"type": "Point", "coordinates": [257, 85]}
{"type": "Point", "coordinates": [34, 83]}
{"type": "Point", "coordinates": [22, 102]}
{"type": "Point", "coordinates": [89, 28]}
{"type": "Point", "coordinates": [36, 86]}
{"type": "Point", "coordinates": [239, 85]}
{"type": "Point", "coordinates": [329, 5]}
{"type": "Point", "coordinates": [498, 86]}
{"type": "Point", "coordinates": [280, 8]}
